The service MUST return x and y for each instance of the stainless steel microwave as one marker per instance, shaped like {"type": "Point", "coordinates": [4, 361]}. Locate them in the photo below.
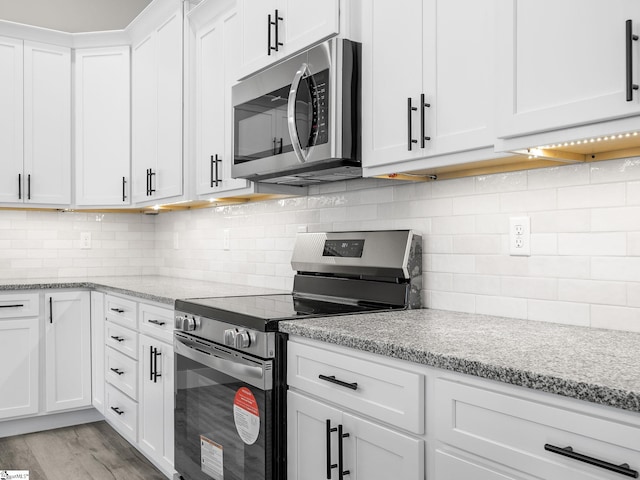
{"type": "Point", "coordinates": [298, 122]}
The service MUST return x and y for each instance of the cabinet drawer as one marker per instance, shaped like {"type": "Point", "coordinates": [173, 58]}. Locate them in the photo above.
{"type": "Point", "coordinates": [122, 413]}
{"type": "Point", "coordinates": [19, 305]}
{"type": "Point", "coordinates": [379, 390]}
{"type": "Point", "coordinates": [122, 339]}
{"type": "Point", "coordinates": [513, 431]}
{"type": "Point", "coordinates": [122, 372]}
{"type": "Point", "coordinates": [121, 311]}
{"type": "Point", "coordinates": [452, 466]}
{"type": "Point", "coordinates": [156, 321]}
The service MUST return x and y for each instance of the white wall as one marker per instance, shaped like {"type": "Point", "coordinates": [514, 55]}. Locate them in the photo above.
{"type": "Point", "coordinates": [47, 244]}
{"type": "Point", "coordinates": [585, 221]}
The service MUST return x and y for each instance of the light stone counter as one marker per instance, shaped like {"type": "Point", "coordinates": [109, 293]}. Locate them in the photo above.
{"type": "Point", "coordinates": [601, 366]}
{"type": "Point", "coordinates": [150, 287]}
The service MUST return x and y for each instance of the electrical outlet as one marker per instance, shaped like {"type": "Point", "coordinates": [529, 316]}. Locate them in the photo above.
{"type": "Point", "coordinates": [520, 236]}
{"type": "Point", "coordinates": [85, 240]}
{"type": "Point", "coordinates": [225, 239]}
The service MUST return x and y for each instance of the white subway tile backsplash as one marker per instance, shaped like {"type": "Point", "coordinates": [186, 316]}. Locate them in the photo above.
{"type": "Point", "coordinates": [501, 182]}
{"type": "Point", "coordinates": [615, 170]}
{"type": "Point", "coordinates": [453, 188]}
{"type": "Point", "coordinates": [458, 302]}
{"type": "Point", "coordinates": [559, 312]}
{"type": "Point", "coordinates": [478, 284]}
{"type": "Point", "coordinates": [592, 291]}
{"type": "Point", "coordinates": [592, 244]}
{"type": "Point", "coordinates": [633, 193]}
{"type": "Point", "coordinates": [525, 287]}
{"type": "Point", "coordinates": [476, 204]}
{"type": "Point", "coordinates": [563, 176]}
{"type": "Point", "coordinates": [528, 201]}
{"type": "Point", "coordinates": [477, 244]}
{"type": "Point", "coordinates": [452, 263]}
{"type": "Point", "coordinates": [615, 318]}
{"type": "Point", "coordinates": [559, 267]}
{"type": "Point", "coordinates": [501, 265]}
{"type": "Point", "coordinates": [544, 244]}
{"type": "Point", "coordinates": [561, 221]}
{"type": "Point", "coordinates": [592, 196]}
{"type": "Point", "coordinates": [622, 219]}
{"type": "Point", "coordinates": [453, 225]}
{"type": "Point", "coordinates": [501, 306]}
{"type": "Point", "coordinates": [623, 269]}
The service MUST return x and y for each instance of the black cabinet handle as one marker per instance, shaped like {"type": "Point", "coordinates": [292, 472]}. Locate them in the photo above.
{"type": "Point", "coordinates": [330, 466]}
{"type": "Point", "coordinates": [29, 187]}
{"type": "Point", "coordinates": [117, 339]}
{"type": "Point", "coordinates": [269, 23]}
{"type": "Point", "coordinates": [156, 354]}
{"type": "Point", "coordinates": [156, 322]}
{"type": "Point", "coordinates": [115, 370]}
{"type": "Point", "coordinates": [568, 452]}
{"type": "Point", "coordinates": [410, 110]}
{"type": "Point", "coordinates": [124, 189]}
{"type": "Point", "coordinates": [278, 19]}
{"type": "Point", "coordinates": [217, 161]}
{"type": "Point", "coordinates": [150, 364]}
{"type": "Point", "coordinates": [341, 472]}
{"type": "Point", "coordinates": [423, 123]}
{"type": "Point", "coordinates": [147, 182]}
{"type": "Point", "coordinates": [117, 310]}
{"type": "Point", "coordinates": [117, 410]}
{"type": "Point", "coordinates": [333, 379]}
{"type": "Point", "coordinates": [274, 24]}
{"type": "Point", "coordinates": [50, 309]}
{"type": "Point", "coordinates": [151, 175]}
{"type": "Point", "coordinates": [630, 38]}
{"type": "Point", "coordinates": [17, 305]}
{"type": "Point", "coordinates": [19, 186]}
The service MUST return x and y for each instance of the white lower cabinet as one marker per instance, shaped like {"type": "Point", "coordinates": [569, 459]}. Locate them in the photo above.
{"type": "Point", "coordinates": [450, 466]}
{"type": "Point", "coordinates": [156, 401]}
{"type": "Point", "coordinates": [97, 351]}
{"type": "Point", "coordinates": [319, 429]}
{"type": "Point", "coordinates": [67, 350]}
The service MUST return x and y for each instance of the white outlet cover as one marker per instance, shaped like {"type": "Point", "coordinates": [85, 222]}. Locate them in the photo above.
{"type": "Point", "coordinates": [85, 240]}
{"type": "Point", "coordinates": [520, 236]}
{"type": "Point", "coordinates": [226, 244]}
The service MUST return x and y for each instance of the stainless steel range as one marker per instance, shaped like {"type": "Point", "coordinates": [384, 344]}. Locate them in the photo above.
{"type": "Point", "coordinates": [230, 359]}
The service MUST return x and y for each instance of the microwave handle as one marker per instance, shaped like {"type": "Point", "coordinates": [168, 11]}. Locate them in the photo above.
{"type": "Point", "coordinates": [301, 155]}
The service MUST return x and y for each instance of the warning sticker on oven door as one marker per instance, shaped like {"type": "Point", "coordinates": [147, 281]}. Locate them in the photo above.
{"type": "Point", "coordinates": [246, 415]}
{"type": "Point", "coordinates": [211, 458]}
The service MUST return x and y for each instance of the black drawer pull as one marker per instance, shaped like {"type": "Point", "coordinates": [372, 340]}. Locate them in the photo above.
{"type": "Point", "coordinates": [115, 370]}
{"type": "Point", "coordinates": [568, 452]}
{"type": "Point", "coordinates": [117, 339]}
{"type": "Point", "coordinates": [333, 379]}
{"type": "Point", "coordinates": [12, 306]}
{"type": "Point", "coordinates": [117, 310]}
{"type": "Point", "coordinates": [156, 322]}
{"type": "Point", "coordinates": [117, 410]}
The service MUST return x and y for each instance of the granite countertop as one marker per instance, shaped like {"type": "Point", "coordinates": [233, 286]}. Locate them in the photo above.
{"type": "Point", "coordinates": [148, 287]}
{"type": "Point", "coordinates": [596, 365]}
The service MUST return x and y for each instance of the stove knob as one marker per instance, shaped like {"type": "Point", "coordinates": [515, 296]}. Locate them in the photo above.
{"type": "Point", "coordinates": [230, 337]}
{"type": "Point", "coordinates": [179, 322]}
{"type": "Point", "coordinates": [243, 339]}
{"type": "Point", "coordinates": [189, 324]}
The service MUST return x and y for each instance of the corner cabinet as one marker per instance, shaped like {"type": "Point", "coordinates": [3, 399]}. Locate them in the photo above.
{"type": "Point", "coordinates": [67, 350]}
{"type": "Point", "coordinates": [102, 121]}
{"type": "Point", "coordinates": [274, 29]}
{"type": "Point", "coordinates": [427, 83]}
{"type": "Point", "coordinates": [35, 138]}
{"type": "Point", "coordinates": [156, 97]}
{"type": "Point", "coordinates": [575, 73]}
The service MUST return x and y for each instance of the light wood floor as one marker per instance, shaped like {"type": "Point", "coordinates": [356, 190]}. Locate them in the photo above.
{"type": "Point", "coordinates": [93, 451]}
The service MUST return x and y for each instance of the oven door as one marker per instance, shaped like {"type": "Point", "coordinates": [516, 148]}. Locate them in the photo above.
{"type": "Point", "coordinates": [223, 413]}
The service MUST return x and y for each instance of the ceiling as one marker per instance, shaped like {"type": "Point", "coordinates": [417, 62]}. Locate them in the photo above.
{"type": "Point", "coordinates": [73, 16]}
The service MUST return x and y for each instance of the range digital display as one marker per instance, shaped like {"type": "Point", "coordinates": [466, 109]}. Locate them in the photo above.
{"type": "Point", "coordinates": [343, 248]}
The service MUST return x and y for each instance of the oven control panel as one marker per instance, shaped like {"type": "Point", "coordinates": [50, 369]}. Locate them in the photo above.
{"type": "Point", "coordinates": [187, 323]}
{"type": "Point", "coordinates": [238, 338]}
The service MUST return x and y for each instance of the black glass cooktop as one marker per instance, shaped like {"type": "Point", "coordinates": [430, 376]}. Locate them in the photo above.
{"type": "Point", "coordinates": [262, 312]}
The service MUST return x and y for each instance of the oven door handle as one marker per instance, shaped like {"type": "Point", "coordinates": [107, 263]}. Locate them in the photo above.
{"type": "Point", "coordinates": [301, 155]}
{"type": "Point", "coordinates": [256, 376]}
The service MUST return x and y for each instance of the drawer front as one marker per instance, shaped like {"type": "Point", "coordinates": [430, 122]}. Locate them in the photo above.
{"type": "Point", "coordinates": [156, 321]}
{"type": "Point", "coordinates": [121, 339]}
{"type": "Point", "coordinates": [121, 311]}
{"type": "Point", "coordinates": [122, 372]}
{"type": "Point", "coordinates": [19, 305]}
{"type": "Point", "coordinates": [122, 413]}
{"type": "Point", "coordinates": [513, 431]}
{"type": "Point", "coordinates": [451, 466]}
{"type": "Point", "coordinates": [384, 392]}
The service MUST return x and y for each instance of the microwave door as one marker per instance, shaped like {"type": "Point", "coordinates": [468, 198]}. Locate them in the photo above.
{"type": "Point", "coordinates": [302, 115]}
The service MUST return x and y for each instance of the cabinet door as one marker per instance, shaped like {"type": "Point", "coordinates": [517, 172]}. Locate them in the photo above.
{"type": "Point", "coordinates": [102, 112]}
{"type": "Point", "coordinates": [144, 112]}
{"type": "Point", "coordinates": [216, 58]}
{"type": "Point", "coordinates": [168, 179]}
{"type": "Point", "coordinates": [575, 73]}
{"type": "Point", "coordinates": [255, 31]}
{"type": "Point", "coordinates": [47, 123]}
{"type": "Point", "coordinates": [11, 113]}
{"type": "Point", "coordinates": [307, 438]}
{"type": "Point", "coordinates": [97, 351]}
{"type": "Point", "coordinates": [19, 344]}
{"type": "Point", "coordinates": [458, 75]}
{"type": "Point", "coordinates": [392, 73]}
{"type": "Point", "coordinates": [67, 350]}
{"type": "Point", "coordinates": [374, 452]}
{"type": "Point", "coordinates": [305, 22]}
{"type": "Point", "coordinates": [155, 429]}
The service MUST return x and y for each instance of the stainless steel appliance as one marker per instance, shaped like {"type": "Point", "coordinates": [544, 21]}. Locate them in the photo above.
{"type": "Point", "coordinates": [230, 359]}
{"type": "Point", "coordinates": [298, 122]}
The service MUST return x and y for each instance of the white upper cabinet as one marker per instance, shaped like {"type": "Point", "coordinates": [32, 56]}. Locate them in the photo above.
{"type": "Point", "coordinates": [427, 82]}
{"type": "Point", "coordinates": [102, 127]}
{"type": "Point", "coordinates": [157, 112]}
{"type": "Point", "coordinates": [216, 55]}
{"type": "Point", "coordinates": [35, 123]}
{"type": "Point", "coordinates": [565, 63]}
{"type": "Point", "coordinates": [274, 29]}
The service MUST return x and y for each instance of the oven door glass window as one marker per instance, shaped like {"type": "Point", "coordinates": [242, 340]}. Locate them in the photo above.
{"type": "Point", "coordinates": [222, 425]}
